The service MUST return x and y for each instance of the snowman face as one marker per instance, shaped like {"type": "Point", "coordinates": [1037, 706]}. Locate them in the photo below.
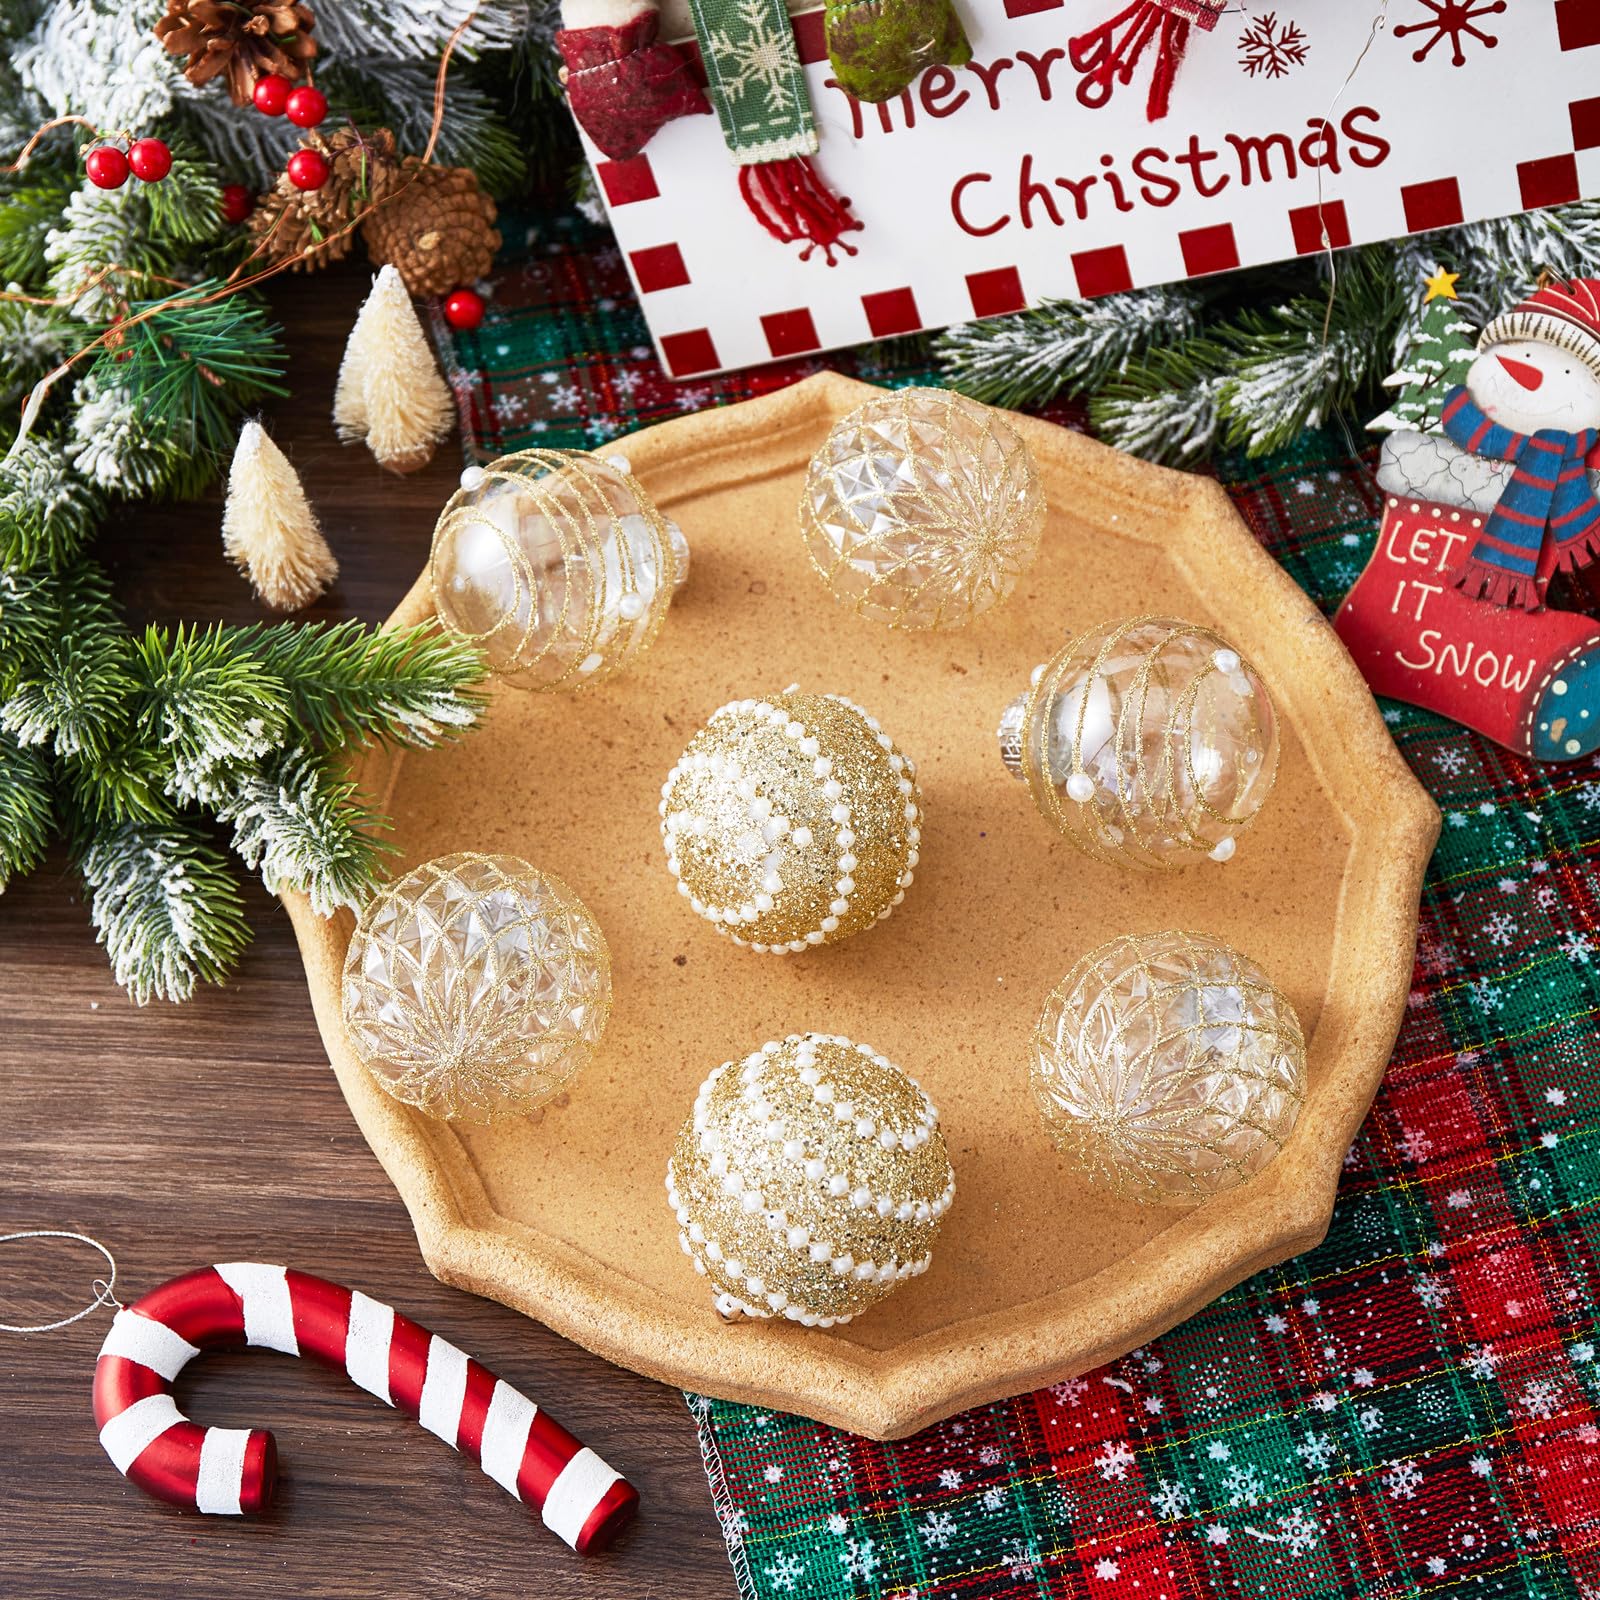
{"type": "Point", "coordinates": [1526, 385]}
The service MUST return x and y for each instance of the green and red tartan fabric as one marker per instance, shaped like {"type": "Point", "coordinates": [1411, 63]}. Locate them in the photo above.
{"type": "Point", "coordinates": [1413, 1408]}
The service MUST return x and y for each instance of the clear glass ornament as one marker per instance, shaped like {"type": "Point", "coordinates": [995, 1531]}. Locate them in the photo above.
{"type": "Point", "coordinates": [922, 509]}
{"type": "Point", "coordinates": [1150, 742]}
{"type": "Point", "coordinates": [1169, 1066]}
{"type": "Point", "coordinates": [810, 1180]}
{"type": "Point", "coordinates": [557, 564]}
{"type": "Point", "coordinates": [475, 987]}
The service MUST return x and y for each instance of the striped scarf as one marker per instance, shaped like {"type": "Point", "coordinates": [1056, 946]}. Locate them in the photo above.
{"type": "Point", "coordinates": [1548, 499]}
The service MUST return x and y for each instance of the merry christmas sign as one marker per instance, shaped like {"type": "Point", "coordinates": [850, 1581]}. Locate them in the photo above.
{"type": "Point", "coordinates": [1012, 178]}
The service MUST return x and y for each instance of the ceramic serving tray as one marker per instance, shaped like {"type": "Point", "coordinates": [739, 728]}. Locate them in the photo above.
{"type": "Point", "coordinates": [1036, 1276]}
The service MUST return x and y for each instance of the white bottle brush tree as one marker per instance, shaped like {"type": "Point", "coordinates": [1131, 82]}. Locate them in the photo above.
{"type": "Point", "coordinates": [269, 529]}
{"type": "Point", "coordinates": [390, 392]}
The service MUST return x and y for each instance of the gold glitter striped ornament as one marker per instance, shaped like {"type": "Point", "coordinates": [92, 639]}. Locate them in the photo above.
{"type": "Point", "coordinates": [810, 1180]}
{"type": "Point", "coordinates": [792, 821]}
{"type": "Point", "coordinates": [1169, 1066]}
{"type": "Point", "coordinates": [1150, 742]}
{"type": "Point", "coordinates": [922, 509]}
{"type": "Point", "coordinates": [475, 987]}
{"type": "Point", "coordinates": [557, 564]}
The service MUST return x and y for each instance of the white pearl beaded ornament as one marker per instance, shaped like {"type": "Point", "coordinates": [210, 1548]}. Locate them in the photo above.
{"type": "Point", "coordinates": [792, 821]}
{"type": "Point", "coordinates": [810, 1180]}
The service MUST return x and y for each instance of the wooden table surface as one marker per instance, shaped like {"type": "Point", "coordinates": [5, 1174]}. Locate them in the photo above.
{"type": "Point", "coordinates": [214, 1131]}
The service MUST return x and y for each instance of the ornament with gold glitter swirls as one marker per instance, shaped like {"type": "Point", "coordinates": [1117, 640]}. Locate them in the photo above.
{"type": "Point", "coordinates": [1168, 1066]}
{"type": "Point", "coordinates": [810, 1181]}
{"type": "Point", "coordinates": [557, 564]}
{"type": "Point", "coordinates": [475, 987]}
{"type": "Point", "coordinates": [792, 821]}
{"type": "Point", "coordinates": [922, 509]}
{"type": "Point", "coordinates": [1150, 742]}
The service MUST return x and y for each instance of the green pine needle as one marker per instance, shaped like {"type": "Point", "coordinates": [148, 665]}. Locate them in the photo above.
{"type": "Point", "coordinates": [27, 214]}
{"type": "Point", "coordinates": [27, 815]}
{"type": "Point", "coordinates": [47, 512]}
{"type": "Point", "coordinates": [299, 821]}
{"type": "Point", "coordinates": [350, 684]}
{"type": "Point", "coordinates": [165, 905]}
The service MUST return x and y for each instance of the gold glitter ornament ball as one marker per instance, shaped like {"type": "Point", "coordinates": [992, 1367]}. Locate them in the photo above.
{"type": "Point", "coordinates": [1150, 742]}
{"type": "Point", "coordinates": [810, 1179]}
{"type": "Point", "coordinates": [475, 987]}
{"type": "Point", "coordinates": [1169, 1066]}
{"type": "Point", "coordinates": [792, 821]}
{"type": "Point", "coordinates": [922, 509]}
{"type": "Point", "coordinates": [557, 564]}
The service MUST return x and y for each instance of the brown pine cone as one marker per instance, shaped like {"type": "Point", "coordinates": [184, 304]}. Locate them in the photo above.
{"type": "Point", "coordinates": [436, 228]}
{"type": "Point", "coordinates": [242, 39]}
{"type": "Point", "coordinates": [312, 225]}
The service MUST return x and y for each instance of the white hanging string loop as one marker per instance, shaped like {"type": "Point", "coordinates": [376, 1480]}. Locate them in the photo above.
{"type": "Point", "coordinates": [105, 1289]}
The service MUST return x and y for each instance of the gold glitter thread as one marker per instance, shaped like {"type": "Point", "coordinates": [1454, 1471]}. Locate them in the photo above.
{"type": "Point", "coordinates": [922, 509]}
{"type": "Point", "coordinates": [475, 987]}
{"type": "Point", "coordinates": [1168, 1066]}
{"type": "Point", "coordinates": [1131, 789]}
{"type": "Point", "coordinates": [556, 563]}
{"type": "Point", "coordinates": [792, 821]}
{"type": "Point", "coordinates": [809, 1181]}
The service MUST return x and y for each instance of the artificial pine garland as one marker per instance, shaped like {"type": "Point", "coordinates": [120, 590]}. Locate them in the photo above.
{"type": "Point", "coordinates": [1254, 358]}
{"type": "Point", "coordinates": [145, 751]}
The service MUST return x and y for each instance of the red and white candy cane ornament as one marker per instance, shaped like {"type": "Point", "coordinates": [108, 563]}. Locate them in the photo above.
{"type": "Point", "coordinates": [231, 1471]}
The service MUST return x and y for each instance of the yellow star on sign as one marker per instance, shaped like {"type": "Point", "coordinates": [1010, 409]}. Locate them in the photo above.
{"type": "Point", "coordinates": [1441, 286]}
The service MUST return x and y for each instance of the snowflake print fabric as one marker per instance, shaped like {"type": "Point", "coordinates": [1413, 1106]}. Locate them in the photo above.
{"type": "Point", "coordinates": [1410, 1409]}
{"type": "Point", "coordinates": [753, 74]}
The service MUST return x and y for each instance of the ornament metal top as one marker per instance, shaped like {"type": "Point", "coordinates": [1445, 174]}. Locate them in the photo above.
{"type": "Point", "coordinates": [1169, 1066]}
{"type": "Point", "coordinates": [922, 509]}
{"type": "Point", "coordinates": [810, 1181]}
{"type": "Point", "coordinates": [475, 987]}
{"type": "Point", "coordinates": [557, 564]}
{"type": "Point", "coordinates": [1148, 742]}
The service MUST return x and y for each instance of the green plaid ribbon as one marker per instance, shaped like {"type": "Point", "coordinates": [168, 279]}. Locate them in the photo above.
{"type": "Point", "coordinates": [754, 77]}
{"type": "Point", "coordinates": [1412, 1408]}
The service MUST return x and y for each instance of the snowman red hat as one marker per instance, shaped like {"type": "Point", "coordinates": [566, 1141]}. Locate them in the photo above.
{"type": "Point", "coordinates": [1565, 315]}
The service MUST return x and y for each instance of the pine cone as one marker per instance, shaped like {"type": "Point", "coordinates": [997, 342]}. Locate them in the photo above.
{"type": "Point", "coordinates": [312, 225]}
{"type": "Point", "coordinates": [242, 39]}
{"type": "Point", "coordinates": [437, 228]}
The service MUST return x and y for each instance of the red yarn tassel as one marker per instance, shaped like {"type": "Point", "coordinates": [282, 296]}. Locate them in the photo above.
{"type": "Point", "coordinates": [1108, 54]}
{"type": "Point", "coordinates": [792, 203]}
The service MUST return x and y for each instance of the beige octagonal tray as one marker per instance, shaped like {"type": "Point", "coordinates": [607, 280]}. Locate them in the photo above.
{"type": "Point", "coordinates": [1036, 1276]}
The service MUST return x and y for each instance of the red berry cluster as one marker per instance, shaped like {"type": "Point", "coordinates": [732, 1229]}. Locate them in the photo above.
{"type": "Point", "coordinates": [305, 107]}
{"type": "Point", "coordinates": [108, 165]}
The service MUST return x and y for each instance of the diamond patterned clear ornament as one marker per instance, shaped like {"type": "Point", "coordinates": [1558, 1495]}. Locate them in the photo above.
{"type": "Point", "coordinates": [922, 509]}
{"type": "Point", "coordinates": [810, 1180]}
{"type": "Point", "coordinates": [1150, 742]}
{"type": "Point", "coordinates": [475, 987]}
{"type": "Point", "coordinates": [557, 564]}
{"type": "Point", "coordinates": [1169, 1067]}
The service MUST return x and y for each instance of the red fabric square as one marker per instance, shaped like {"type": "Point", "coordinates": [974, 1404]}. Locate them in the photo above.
{"type": "Point", "coordinates": [1431, 205]}
{"type": "Point", "coordinates": [809, 38]}
{"type": "Point", "coordinates": [1028, 8]}
{"type": "Point", "coordinates": [1577, 23]}
{"type": "Point", "coordinates": [995, 292]}
{"type": "Point", "coordinates": [1209, 249]}
{"type": "Point", "coordinates": [688, 353]}
{"type": "Point", "coordinates": [1552, 181]}
{"type": "Point", "coordinates": [790, 333]}
{"type": "Point", "coordinates": [627, 181]}
{"type": "Point", "coordinates": [891, 311]}
{"type": "Point", "coordinates": [1308, 223]}
{"type": "Point", "coordinates": [1102, 271]}
{"type": "Point", "coordinates": [659, 267]}
{"type": "Point", "coordinates": [1585, 116]}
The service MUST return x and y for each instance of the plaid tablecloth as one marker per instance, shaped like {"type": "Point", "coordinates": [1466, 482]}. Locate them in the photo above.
{"type": "Point", "coordinates": [1410, 1409]}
